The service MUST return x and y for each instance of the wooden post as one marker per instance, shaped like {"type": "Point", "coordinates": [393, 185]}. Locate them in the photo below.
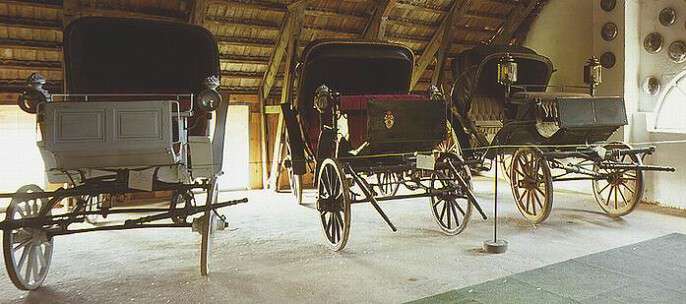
{"type": "Point", "coordinates": [296, 18]}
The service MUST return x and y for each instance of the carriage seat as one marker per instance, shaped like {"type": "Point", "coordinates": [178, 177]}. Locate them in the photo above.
{"type": "Point", "coordinates": [486, 108]}
{"type": "Point", "coordinates": [355, 107]}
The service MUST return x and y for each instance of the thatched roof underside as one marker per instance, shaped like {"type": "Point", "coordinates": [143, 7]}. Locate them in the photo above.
{"type": "Point", "coordinates": [247, 31]}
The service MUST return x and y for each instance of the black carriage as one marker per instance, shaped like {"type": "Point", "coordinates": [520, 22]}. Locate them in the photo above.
{"type": "Point", "coordinates": [504, 106]}
{"type": "Point", "coordinates": [136, 119]}
{"type": "Point", "coordinates": [355, 125]}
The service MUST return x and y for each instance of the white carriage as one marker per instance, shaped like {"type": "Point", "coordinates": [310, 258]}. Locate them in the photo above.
{"type": "Point", "coordinates": [136, 119]}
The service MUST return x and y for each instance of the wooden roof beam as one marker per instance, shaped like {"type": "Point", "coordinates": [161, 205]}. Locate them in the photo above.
{"type": "Point", "coordinates": [376, 27]}
{"type": "Point", "coordinates": [458, 8]}
{"type": "Point", "coordinates": [242, 59]}
{"type": "Point", "coordinates": [198, 12]}
{"type": "Point", "coordinates": [30, 44]}
{"type": "Point", "coordinates": [31, 23]}
{"type": "Point", "coordinates": [256, 5]}
{"type": "Point", "coordinates": [291, 29]}
{"type": "Point", "coordinates": [514, 20]}
{"type": "Point", "coordinates": [49, 4]}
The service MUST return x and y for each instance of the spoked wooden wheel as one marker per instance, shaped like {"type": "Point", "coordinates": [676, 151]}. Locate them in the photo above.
{"type": "Point", "coordinates": [27, 250]}
{"type": "Point", "coordinates": [333, 203]}
{"type": "Point", "coordinates": [451, 209]}
{"type": "Point", "coordinates": [621, 192]}
{"type": "Point", "coordinates": [207, 228]}
{"type": "Point", "coordinates": [531, 184]}
{"type": "Point", "coordinates": [388, 183]}
{"type": "Point", "coordinates": [450, 143]}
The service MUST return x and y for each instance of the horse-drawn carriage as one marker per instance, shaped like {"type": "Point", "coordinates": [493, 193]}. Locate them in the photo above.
{"type": "Point", "coordinates": [136, 119]}
{"type": "Point", "coordinates": [502, 107]}
{"type": "Point", "coordinates": [355, 125]}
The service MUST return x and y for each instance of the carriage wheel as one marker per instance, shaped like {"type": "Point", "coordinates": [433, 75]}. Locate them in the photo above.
{"type": "Point", "coordinates": [506, 165]}
{"type": "Point", "coordinates": [451, 209]}
{"type": "Point", "coordinates": [531, 184]}
{"type": "Point", "coordinates": [27, 250]}
{"type": "Point", "coordinates": [207, 228]}
{"type": "Point", "coordinates": [450, 143]}
{"type": "Point", "coordinates": [621, 192]}
{"type": "Point", "coordinates": [333, 203]}
{"type": "Point", "coordinates": [388, 183]}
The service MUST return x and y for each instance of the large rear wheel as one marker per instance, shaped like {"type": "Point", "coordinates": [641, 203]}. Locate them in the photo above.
{"type": "Point", "coordinates": [531, 184]}
{"type": "Point", "coordinates": [333, 203]}
{"type": "Point", "coordinates": [27, 250]}
{"type": "Point", "coordinates": [622, 190]}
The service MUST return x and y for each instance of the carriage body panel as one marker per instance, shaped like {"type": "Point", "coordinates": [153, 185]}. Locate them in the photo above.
{"type": "Point", "coordinates": [110, 134]}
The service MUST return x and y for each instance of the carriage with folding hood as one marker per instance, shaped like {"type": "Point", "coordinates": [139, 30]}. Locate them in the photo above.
{"type": "Point", "coordinates": [355, 125]}
{"type": "Point", "coordinates": [141, 96]}
{"type": "Point", "coordinates": [503, 106]}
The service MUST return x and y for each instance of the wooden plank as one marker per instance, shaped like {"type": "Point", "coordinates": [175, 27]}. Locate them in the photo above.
{"type": "Point", "coordinates": [198, 12]}
{"type": "Point", "coordinates": [376, 28]}
{"type": "Point", "coordinates": [255, 165]}
{"type": "Point", "coordinates": [457, 10]}
{"type": "Point", "coordinates": [288, 79]}
{"type": "Point", "coordinates": [514, 20]}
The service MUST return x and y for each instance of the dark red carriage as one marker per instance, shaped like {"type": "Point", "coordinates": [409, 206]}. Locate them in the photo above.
{"type": "Point", "coordinates": [355, 125]}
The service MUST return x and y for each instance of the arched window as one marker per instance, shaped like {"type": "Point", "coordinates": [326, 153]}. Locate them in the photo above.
{"type": "Point", "coordinates": [671, 106]}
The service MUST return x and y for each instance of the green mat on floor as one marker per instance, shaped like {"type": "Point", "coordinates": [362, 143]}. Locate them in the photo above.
{"type": "Point", "coordinates": [652, 271]}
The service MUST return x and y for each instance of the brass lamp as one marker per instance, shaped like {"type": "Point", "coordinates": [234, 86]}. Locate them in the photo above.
{"type": "Point", "coordinates": [507, 71]}
{"type": "Point", "coordinates": [593, 74]}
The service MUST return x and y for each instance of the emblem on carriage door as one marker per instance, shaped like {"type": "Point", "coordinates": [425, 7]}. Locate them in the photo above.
{"type": "Point", "coordinates": [389, 119]}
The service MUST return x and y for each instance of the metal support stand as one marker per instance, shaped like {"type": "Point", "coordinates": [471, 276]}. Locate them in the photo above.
{"type": "Point", "coordinates": [495, 245]}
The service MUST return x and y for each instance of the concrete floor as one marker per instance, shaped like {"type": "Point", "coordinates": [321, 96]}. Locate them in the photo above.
{"type": "Point", "coordinates": [274, 254]}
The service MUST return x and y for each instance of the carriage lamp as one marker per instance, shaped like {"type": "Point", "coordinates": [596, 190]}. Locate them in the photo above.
{"type": "Point", "coordinates": [507, 71]}
{"type": "Point", "coordinates": [323, 98]}
{"type": "Point", "coordinates": [34, 94]}
{"type": "Point", "coordinates": [209, 99]}
{"type": "Point", "coordinates": [593, 74]}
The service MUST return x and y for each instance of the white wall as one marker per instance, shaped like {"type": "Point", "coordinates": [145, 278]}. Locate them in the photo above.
{"type": "Point", "coordinates": [561, 32]}
{"type": "Point", "coordinates": [664, 188]}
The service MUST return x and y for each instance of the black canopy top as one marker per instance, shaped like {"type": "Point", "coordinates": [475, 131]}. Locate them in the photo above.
{"type": "Point", "coordinates": [354, 68]}
{"type": "Point", "coordinates": [130, 56]}
{"type": "Point", "coordinates": [475, 70]}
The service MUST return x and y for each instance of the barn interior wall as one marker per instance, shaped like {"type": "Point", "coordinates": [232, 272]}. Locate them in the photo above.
{"type": "Point", "coordinates": [664, 188]}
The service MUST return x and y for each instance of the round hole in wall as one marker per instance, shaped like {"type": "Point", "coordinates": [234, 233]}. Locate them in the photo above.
{"type": "Point", "coordinates": [653, 43]}
{"type": "Point", "coordinates": [608, 60]}
{"type": "Point", "coordinates": [651, 85]}
{"type": "Point", "coordinates": [609, 31]}
{"type": "Point", "coordinates": [677, 51]}
{"type": "Point", "coordinates": [667, 16]}
{"type": "Point", "coordinates": [608, 5]}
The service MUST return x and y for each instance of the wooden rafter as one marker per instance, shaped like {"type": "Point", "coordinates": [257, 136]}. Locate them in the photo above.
{"type": "Point", "coordinates": [514, 20]}
{"type": "Point", "coordinates": [376, 27]}
{"type": "Point", "coordinates": [458, 8]}
{"type": "Point", "coordinates": [198, 12]}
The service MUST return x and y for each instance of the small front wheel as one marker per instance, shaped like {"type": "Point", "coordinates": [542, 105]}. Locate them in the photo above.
{"type": "Point", "coordinates": [27, 250]}
{"type": "Point", "coordinates": [622, 189]}
{"type": "Point", "coordinates": [531, 184]}
{"type": "Point", "coordinates": [333, 203]}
